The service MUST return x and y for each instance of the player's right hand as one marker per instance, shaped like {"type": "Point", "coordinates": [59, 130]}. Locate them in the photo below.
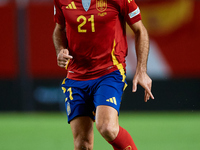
{"type": "Point", "coordinates": [63, 58]}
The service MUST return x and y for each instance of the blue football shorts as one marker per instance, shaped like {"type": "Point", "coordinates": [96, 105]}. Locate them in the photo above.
{"type": "Point", "coordinates": [82, 97]}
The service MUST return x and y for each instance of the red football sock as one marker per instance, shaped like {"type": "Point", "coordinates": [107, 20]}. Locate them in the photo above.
{"type": "Point", "coordinates": [123, 141]}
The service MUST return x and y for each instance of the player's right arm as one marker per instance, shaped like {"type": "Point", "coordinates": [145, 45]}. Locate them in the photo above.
{"type": "Point", "coordinates": [60, 44]}
{"type": "Point", "coordinates": [59, 36]}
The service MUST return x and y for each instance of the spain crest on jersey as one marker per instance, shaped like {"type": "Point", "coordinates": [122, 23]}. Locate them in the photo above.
{"type": "Point", "coordinates": [101, 5]}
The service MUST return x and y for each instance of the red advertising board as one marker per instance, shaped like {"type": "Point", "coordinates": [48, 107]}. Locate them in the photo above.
{"type": "Point", "coordinates": [8, 40]}
{"type": "Point", "coordinates": [42, 56]}
{"type": "Point", "coordinates": [174, 26]}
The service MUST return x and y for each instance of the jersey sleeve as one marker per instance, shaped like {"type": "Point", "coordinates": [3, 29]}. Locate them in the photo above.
{"type": "Point", "coordinates": [131, 12]}
{"type": "Point", "coordinates": [58, 15]}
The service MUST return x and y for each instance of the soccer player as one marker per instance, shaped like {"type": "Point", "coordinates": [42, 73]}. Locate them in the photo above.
{"type": "Point", "coordinates": [90, 42]}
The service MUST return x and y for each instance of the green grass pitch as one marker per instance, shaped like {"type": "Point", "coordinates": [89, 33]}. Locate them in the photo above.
{"type": "Point", "coordinates": [150, 131]}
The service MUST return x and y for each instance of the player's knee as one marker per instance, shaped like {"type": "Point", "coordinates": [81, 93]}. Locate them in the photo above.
{"type": "Point", "coordinates": [108, 131]}
{"type": "Point", "coordinates": [83, 144]}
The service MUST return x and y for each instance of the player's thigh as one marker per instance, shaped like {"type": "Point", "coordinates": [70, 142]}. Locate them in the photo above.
{"type": "Point", "coordinates": [107, 122]}
{"type": "Point", "coordinates": [106, 115]}
{"type": "Point", "coordinates": [82, 129]}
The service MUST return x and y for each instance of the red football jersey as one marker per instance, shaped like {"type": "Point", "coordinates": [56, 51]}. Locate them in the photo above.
{"type": "Point", "coordinates": [96, 34]}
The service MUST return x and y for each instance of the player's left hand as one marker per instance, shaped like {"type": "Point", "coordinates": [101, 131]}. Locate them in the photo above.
{"type": "Point", "coordinates": [145, 81]}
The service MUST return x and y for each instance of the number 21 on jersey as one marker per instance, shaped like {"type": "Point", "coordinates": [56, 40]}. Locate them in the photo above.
{"type": "Point", "coordinates": [83, 20]}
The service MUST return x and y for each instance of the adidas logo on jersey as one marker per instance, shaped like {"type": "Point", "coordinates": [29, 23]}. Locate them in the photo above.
{"type": "Point", "coordinates": [71, 6]}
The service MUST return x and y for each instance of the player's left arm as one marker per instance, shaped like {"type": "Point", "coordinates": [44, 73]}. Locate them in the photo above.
{"type": "Point", "coordinates": [142, 51]}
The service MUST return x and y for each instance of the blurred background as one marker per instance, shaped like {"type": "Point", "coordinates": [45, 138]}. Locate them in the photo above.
{"type": "Point", "coordinates": [32, 111]}
{"type": "Point", "coordinates": [30, 78]}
